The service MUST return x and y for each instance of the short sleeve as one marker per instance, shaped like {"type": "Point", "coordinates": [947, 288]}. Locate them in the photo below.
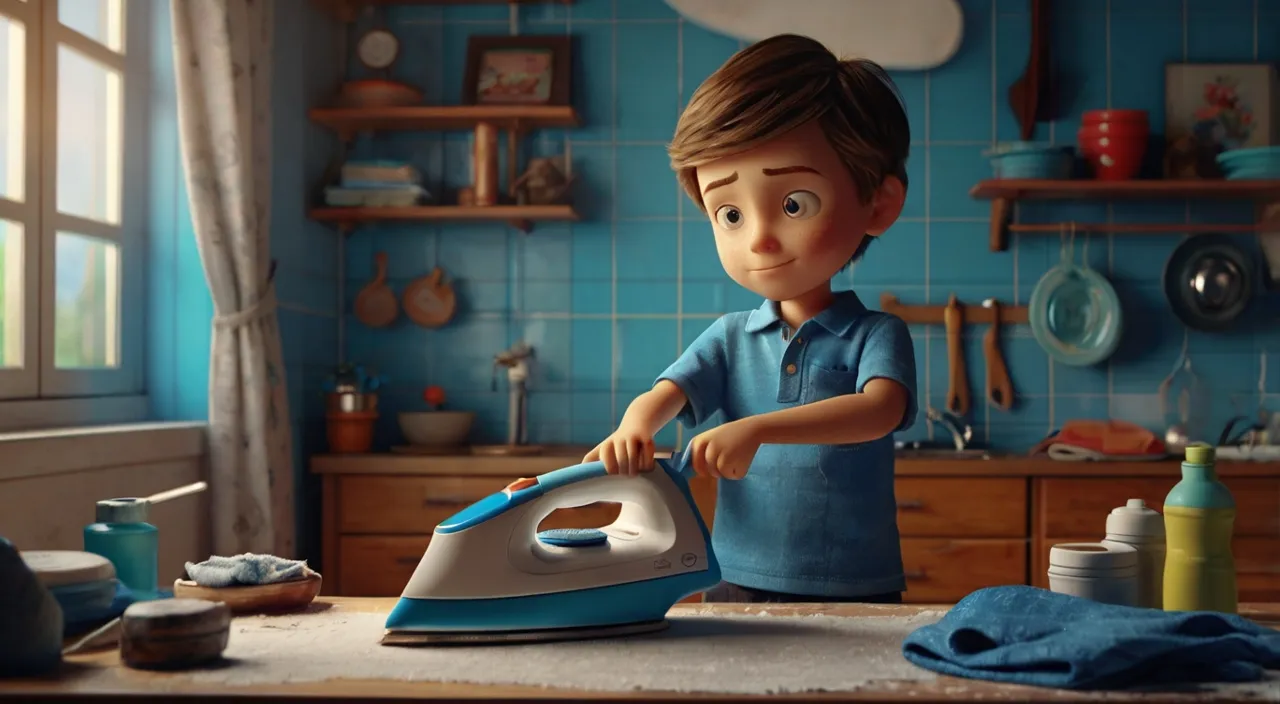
{"type": "Point", "coordinates": [701, 373]}
{"type": "Point", "coordinates": [889, 354]}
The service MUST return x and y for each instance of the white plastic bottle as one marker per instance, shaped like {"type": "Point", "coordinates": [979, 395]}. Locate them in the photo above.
{"type": "Point", "coordinates": [1142, 529]}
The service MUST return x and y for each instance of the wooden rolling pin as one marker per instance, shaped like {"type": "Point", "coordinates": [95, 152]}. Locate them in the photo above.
{"type": "Point", "coordinates": [958, 388]}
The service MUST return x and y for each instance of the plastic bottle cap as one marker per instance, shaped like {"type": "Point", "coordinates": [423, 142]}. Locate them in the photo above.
{"type": "Point", "coordinates": [1134, 519]}
{"type": "Point", "coordinates": [1200, 453]}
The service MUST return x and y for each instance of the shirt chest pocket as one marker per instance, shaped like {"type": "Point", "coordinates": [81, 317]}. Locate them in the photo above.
{"type": "Point", "coordinates": [822, 383]}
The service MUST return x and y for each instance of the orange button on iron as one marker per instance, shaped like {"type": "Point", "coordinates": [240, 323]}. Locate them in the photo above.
{"type": "Point", "coordinates": [521, 483]}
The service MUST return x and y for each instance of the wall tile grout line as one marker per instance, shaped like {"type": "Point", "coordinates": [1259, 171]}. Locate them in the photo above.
{"type": "Point", "coordinates": [615, 333]}
{"type": "Point", "coordinates": [679, 220]}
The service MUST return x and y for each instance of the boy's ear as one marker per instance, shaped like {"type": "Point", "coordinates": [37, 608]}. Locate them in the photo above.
{"type": "Point", "coordinates": [886, 205]}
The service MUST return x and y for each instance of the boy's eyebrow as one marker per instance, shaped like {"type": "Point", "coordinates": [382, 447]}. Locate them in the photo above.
{"type": "Point", "coordinates": [790, 170]}
{"type": "Point", "coordinates": [722, 182]}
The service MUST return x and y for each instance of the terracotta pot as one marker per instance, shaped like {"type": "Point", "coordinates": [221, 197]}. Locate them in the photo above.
{"type": "Point", "coordinates": [350, 432]}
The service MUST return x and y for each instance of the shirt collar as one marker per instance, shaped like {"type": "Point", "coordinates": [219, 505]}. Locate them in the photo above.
{"type": "Point", "coordinates": [836, 319]}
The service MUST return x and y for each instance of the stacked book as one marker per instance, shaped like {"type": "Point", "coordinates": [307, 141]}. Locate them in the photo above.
{"type": "Point", "coordinates": [377, 184]}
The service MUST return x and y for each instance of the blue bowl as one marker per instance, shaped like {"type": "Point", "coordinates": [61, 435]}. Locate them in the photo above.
{"type": "Point", "coordinates": [1253, 163]}
{"type": "Point", "coordinates": [1025, 160]}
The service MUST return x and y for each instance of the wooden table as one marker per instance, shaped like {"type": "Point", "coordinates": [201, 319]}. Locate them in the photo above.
{"type": "Point", "coordinates": [147, 686]}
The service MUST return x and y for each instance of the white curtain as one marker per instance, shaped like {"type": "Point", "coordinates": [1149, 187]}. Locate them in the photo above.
{"type": "Point", "coordinates": [222, 59]}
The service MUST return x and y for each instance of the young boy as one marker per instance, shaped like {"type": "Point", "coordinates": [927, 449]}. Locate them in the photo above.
{"type": "Point", "coordinates": [798, 159]}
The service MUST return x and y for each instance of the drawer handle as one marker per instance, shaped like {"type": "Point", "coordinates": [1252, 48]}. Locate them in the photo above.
{"type": "Point", "coordinates": [442, 501]}
{"type": "Point", "coordinates": [915, 574]}
{"type": "Point", "coordinates": [910, 505]}
{"type": "Point", "coordinates": [408, 559]}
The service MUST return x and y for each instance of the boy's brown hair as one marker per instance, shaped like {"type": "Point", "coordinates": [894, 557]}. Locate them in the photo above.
{"type": "Point", "coordinates": [780, 83]}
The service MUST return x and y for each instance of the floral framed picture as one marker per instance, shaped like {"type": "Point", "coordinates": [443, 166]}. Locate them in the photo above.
{"type": "Point", "coordinates": [1212, 108]}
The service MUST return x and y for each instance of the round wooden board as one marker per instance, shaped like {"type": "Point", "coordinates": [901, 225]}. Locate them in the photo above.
{"type": "Point", "coordinates": [429, 301]}
{"type": "Point", "coordinates": [60, 567]}
{"type": "Point", "coordinates": [259, 598]}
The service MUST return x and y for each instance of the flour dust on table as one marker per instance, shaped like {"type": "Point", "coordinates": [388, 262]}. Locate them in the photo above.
{"type": "Point", "coordinates": [734, 654]}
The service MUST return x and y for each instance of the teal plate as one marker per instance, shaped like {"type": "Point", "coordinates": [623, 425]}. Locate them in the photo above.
{"type": "Point", "coordinates": [1075, 316]}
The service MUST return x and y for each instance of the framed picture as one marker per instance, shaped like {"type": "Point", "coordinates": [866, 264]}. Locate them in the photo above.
{"type": "Point", "coordinates": [520, 70]}
{"type": "Point", "coordinates": [1211, 108]}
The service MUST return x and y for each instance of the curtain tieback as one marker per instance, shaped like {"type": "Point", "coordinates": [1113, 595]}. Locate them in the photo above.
{"type": "Point", "coordinates": [265, 306]}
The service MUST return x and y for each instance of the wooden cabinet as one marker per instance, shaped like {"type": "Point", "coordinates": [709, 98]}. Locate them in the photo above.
{"type": "Point", "coordinates": [964, 525]}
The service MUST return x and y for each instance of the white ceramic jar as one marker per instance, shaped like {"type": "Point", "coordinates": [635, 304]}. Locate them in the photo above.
{"type": "Point", "coordinates": [1142, 529]}
{"type": "Point", "coordinates": [1103, 573]}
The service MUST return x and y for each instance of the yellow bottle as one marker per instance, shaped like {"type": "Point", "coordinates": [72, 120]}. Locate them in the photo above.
{"type": "Point", "coordinates": [1199, 517]}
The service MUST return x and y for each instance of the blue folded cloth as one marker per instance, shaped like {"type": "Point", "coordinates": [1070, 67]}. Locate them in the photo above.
{"type": "Point", "coordinates": [1024, 635]}
{"type": "Point", "coordinates": [246, 569]}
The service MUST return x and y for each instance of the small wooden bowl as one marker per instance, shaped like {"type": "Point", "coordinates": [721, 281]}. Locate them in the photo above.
{"type": "Point", "coordinates": [259, 598]}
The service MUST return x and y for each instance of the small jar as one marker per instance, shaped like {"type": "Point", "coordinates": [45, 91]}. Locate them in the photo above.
{"type": "Point", "coordinates": [1106, 574]}
{"type": "Point", "coordinates": [1142, 529]}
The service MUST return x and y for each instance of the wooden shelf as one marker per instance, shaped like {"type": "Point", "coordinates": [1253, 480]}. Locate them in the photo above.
{"type": "Point", "coordinates": [348, 10]}
{"type": "Point", "coordinates": [347, 121]}
{"type": "Point", "coordinates": [519, 216]}
{"type": "Point", "coordinates": [1002, 193]}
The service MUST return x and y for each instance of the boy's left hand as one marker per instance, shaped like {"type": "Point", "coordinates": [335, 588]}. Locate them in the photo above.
{"type": "Point", "coordinates": [726, 451]}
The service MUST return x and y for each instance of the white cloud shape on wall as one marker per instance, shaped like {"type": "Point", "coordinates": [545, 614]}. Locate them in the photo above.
{"type": "Point", "coordinates": [897, 34]}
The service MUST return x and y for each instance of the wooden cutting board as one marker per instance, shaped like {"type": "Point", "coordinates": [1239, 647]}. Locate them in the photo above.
{"type": "Point", "coordinates": [376, 303]}
{"type": "Point", "coordinates": [429, 300]}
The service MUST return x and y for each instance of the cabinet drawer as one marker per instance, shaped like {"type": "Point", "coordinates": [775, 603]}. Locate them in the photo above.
{"type": "Point", "coordinates": [416, 505]}
{"type": "Point", "coordinates": [945, 571]}
{"type": "Point", "coordinates": [963, 508]}
{"type": "Point", "coordinates": [378, 565]}
{"type": "Point", "coordinates": [1257, 565]}
{"type": "Point", "coordinates": [1075, 507]}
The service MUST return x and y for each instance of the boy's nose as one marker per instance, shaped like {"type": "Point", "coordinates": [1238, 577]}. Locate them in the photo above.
{"type": "Point", "coordinates": [763, 242]}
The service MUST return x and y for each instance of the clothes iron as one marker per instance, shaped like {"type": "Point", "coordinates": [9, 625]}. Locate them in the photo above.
{"type": "Point", "coordinates": [489, 576]}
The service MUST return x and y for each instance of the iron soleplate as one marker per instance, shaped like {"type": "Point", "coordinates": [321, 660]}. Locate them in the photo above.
{"type": "Point", "coordinates": [542, 635]}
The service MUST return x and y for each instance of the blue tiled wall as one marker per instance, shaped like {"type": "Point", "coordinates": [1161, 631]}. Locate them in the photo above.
{"type": "Point", "coordinates": [609, 301]}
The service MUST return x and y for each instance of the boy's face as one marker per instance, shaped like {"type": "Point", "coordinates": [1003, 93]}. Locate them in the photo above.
{"type": "Point", "coordinates": [787, 215]}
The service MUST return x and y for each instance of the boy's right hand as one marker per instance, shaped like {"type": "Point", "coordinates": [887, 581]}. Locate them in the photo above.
{"type": "Point", "coordinates": [626, 451]}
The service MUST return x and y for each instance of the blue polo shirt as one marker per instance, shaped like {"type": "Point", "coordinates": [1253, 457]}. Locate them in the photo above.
{"type": "Point", "coordinates": [817, 520]}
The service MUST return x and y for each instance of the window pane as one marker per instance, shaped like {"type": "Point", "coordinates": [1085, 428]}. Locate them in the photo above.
{"type": "Point", "coordinates": [13, 74]}
{"type": "Point", "coordinates": [87, 295]}
{"type": "Point", "coordinates": [11, 294]}
{"type": "Point", "coordinates": [89, 137]}
{"type": "Point", "coordinates": [99, 20]}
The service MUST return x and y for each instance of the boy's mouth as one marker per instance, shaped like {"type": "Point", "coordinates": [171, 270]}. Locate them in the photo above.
{"type": "Point", "coordinates": [775, 266]}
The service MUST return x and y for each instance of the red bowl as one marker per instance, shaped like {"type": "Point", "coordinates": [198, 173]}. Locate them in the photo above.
{"type": "Point", "coordinates": [1127, 116]}
{"type": "Point", "coordinates": [1112, 161]}
{"type": "Point", "coordinates": [1115, 130]}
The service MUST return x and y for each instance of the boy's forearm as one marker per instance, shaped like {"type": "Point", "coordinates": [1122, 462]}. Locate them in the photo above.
{"type": "Point", "coordinates": [853, 418]}
{"type": "Point", "coordinates": [653, 409]}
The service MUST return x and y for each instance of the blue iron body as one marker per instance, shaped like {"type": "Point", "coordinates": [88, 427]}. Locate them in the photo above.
{"type": "Point", "coordinates": [582, 579]}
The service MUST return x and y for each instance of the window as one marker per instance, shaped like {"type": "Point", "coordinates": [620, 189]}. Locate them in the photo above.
{"type": "Point", "coordinates": [72, 199]}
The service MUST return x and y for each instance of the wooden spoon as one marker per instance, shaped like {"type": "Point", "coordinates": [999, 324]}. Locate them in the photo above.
{"type": "Point", "coordinates": [958, 387]}
{"type": "Point", "coordinates": [429, 301]}
{"type": "Point", "coordinates": [999, 385]}
{"type": "Point", "coordinates": [1027, 94]}
{"type": "Point", "coordinates": [376, 302]}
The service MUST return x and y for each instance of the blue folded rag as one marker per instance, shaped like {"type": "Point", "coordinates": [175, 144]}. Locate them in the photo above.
{"type": "Point", "coordinates": [246, 569]}
{"type": "Point", "coordinates": [1024, 635]}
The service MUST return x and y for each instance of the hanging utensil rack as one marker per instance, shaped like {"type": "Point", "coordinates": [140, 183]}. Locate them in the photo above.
{"type": "Point", "coordinates": [926, 314]}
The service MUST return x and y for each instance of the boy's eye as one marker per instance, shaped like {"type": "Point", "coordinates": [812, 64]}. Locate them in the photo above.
{"type": "Point", "coordinates": [729, 217]}
{"type": "Point", "coordinates": [801, 204]}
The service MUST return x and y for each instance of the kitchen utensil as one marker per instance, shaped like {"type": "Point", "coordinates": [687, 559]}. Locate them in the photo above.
{"type": "Point", "coordinates": [1027, 94]}
{"type": "Point", "coordinates": [1031, 160]}
{"type": "Point", "coordinates": [376, 303]}
{"type": "Point", "coordinates": [489, 575]}
{"type": "Point", "coordinates": [429, 301]}
{"type": "Point", "coordinates": [958, 384]}
{"type": "Point", "coordinates": [174, 633]}
{"type": "Point", "coordinates": [999, 385]}
{"type": "Point", "coordinates": [1075, 314]}
{"type": "Point", "coordinates": [1209, 281]}
{"type": "Point", "coordinates": [484, 163]}
{"type": "Point", "coordinates": [1178, 434]}
{"type": "Point", "coordinates": [255, 598]}
{"type": "Point", "coordinates": [1114, 142]}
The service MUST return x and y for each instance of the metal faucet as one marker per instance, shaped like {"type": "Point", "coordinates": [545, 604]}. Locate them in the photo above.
{"type": "Point", "coordinates": [961, 432]}
{"type": "Point", "coordinates": [515, 361]}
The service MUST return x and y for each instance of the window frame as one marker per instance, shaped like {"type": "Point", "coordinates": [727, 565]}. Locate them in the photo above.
{"type": "Point", "coordinates": [39, 392]}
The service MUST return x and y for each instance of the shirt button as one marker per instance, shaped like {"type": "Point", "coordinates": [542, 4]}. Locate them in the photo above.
{"type": "Point", "coordinates": [799, 340]}
{"type": "Point", "coordinates": [791, 369]}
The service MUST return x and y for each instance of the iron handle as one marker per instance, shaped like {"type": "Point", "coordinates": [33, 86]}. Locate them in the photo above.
{"type": "Point", "coordinates": [408, 559]}
{"type": "Point", "coordinates": [442, 501]}
{"type": "Point", "coordinates": [915, 574]}
{"type": "Point", "coordinates": [910, 504]}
